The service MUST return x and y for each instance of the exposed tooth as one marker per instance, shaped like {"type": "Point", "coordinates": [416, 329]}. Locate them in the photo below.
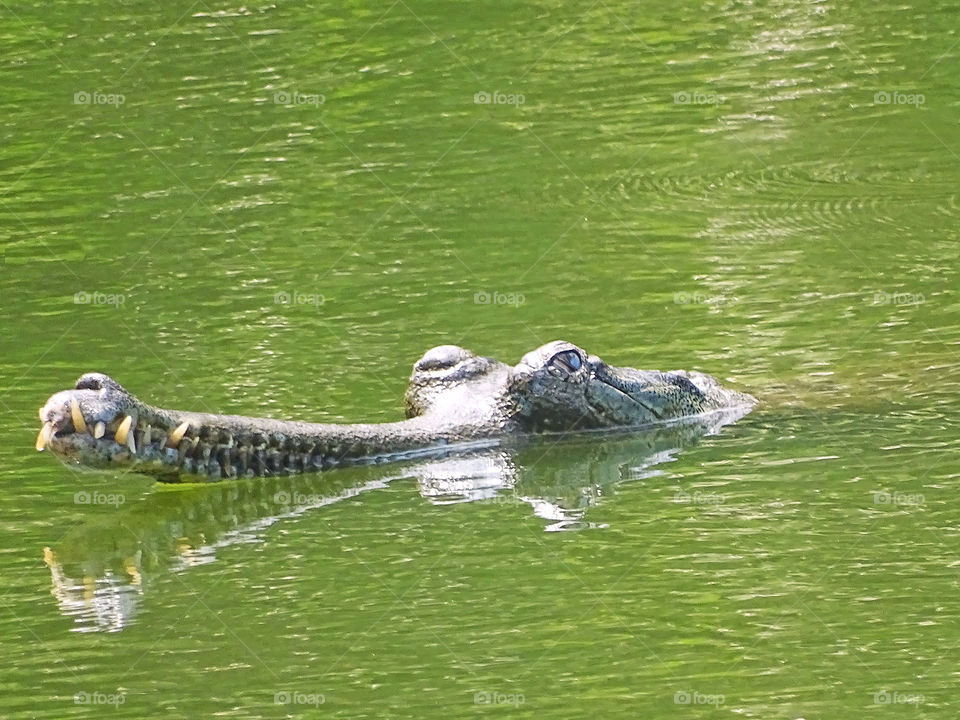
{"type": "Point", "coordinates": [243, 453]}
{"type": "Point", "coordinates": [130, 565]}
{"type": "Point", "coordinates": [78, 422]}
{"type": "Point", "coordinates": [46, 432]}
{"type": "Point", "coordinates": [147, 430]}
{"type": "Point", "coordinates": [124, 430]}
{"type": "Point", "coordinates": [186, 447]}
{"type": "Point", "coordinates": [177, 435]}
{"type": "Point", "coordinates": [131, 443]}
{"type": "Point", "coordinates": [99, 429]}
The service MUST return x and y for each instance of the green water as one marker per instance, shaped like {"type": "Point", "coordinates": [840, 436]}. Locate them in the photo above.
{"type": "Point", "coordinates": [763, 191]}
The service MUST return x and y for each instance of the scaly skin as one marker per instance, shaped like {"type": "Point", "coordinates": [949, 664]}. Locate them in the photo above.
{"type": "Point", "coordinates": [454, 398]}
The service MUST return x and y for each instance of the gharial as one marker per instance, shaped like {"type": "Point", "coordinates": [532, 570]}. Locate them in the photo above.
{"type": "Point", "coordinates": [454, 397]}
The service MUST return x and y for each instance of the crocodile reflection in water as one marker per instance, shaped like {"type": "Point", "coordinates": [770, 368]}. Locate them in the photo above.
{"type": "Point", "coordinates": [102, 570]}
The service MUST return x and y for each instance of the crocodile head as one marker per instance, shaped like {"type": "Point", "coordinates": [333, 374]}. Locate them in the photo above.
{"type": "Point", "coordinates": [558, 387]}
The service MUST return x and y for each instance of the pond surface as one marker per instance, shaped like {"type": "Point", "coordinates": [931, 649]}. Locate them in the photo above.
{"type": "Point", "coordinates": [275, 210]}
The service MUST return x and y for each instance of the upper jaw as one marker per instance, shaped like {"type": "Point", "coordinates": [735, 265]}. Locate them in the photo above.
{"type": "Point", "coordinates": [616, 397]}
{"type": "Point", "coordinates": [629, 381]}
{"type": "Point", "coordinates": [98, 407]}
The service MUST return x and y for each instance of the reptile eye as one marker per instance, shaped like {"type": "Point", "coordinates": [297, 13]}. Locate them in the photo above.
{"type": "Point", "coordinates": [568, 360]}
